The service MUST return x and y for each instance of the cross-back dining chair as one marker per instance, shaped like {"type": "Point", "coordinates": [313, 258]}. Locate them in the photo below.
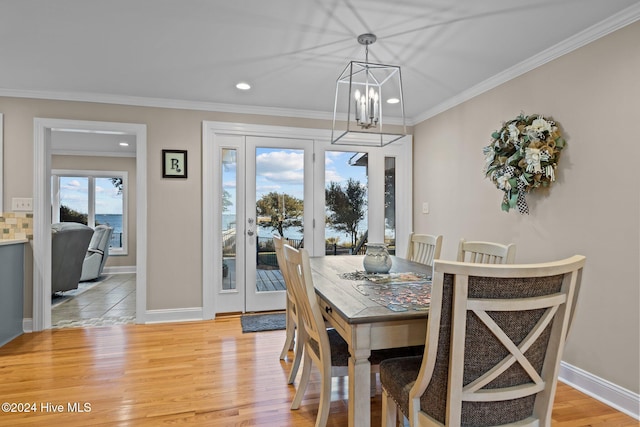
{"type": "Point", "coordinates": [291, 320]}
{"type": "Point", "coordinates": [323, 347]}
{"type": "Point", "coordinates": [486, 252]}
{"type": "Point", "coordinates": [495, 338]}
{"type": "Point", "coordinates": [424, 248]}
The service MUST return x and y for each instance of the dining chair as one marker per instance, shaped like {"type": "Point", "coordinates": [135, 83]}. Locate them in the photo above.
{"type": "Point", "coordinates": [495, 338]}
{"type": "Point", "coordinates": [486, 252]}
{"type": "Point", "coordinates": [291, 319]}
{"type": "Point", "coordinates": [424, 248]}
{"type": "Point", "coordinates": [323, 347]}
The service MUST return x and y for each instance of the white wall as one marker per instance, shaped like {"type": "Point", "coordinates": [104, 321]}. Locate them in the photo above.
{"type": "Point", "coordinates": [593, 209]}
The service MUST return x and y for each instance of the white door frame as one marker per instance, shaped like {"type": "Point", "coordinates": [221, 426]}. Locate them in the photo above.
{"type": "Point", "coordinates": [42, 212]}
{"type": "Point", "coordinates": [211, 210]}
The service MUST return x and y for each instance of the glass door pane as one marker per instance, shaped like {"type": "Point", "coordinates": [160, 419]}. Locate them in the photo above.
{"type": "Point", "coordinates": [346, 200]}
{"type": "Point", "coordinates": [109, 207]}
{"type": "Point", "coordinates": [74, 199]}
{"type": "Point", "coordinates": [390, 204]}
{"type": "Point", "coordinates": [275, 205]}
{"type": "Point", "coordinates": [229, 218]}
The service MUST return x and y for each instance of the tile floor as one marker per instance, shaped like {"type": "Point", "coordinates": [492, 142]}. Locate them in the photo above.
{"type": "Point", "coordinates": [112, 300]}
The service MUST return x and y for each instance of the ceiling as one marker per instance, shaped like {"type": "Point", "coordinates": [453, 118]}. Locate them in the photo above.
{"type": "Point", "coordinates": [191, 53]}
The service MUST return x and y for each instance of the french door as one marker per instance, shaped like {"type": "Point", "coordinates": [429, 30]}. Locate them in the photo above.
{"type": "Point", "coordinates": [265, 187]}
{"type": "Point", "coordinates": [279, 188]}
{"type": "Point", "coordinates": [263, 180]}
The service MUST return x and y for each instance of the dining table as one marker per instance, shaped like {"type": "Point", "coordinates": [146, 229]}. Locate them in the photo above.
{"type": "Point", "coordinates": [371, 312]}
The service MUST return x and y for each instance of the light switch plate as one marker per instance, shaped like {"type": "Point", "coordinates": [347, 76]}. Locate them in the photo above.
{"type": "Point", "coordinates": [22, 204]}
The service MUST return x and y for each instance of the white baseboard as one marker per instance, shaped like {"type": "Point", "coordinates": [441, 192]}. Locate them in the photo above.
{"type": "Point", "coordinates": [605, 391]}
{"type": "Point", "coordinates": [172, 315]}
{"type": "Point", "coordinates": [27, 325]}
{"type": "Point", "coordinates": [125, 269]}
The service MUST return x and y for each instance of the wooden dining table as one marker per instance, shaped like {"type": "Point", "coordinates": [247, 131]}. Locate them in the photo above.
{"type": "Point", "coordinates": [364, 323]}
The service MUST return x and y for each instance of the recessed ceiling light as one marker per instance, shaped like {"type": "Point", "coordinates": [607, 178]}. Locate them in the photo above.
{"type": "Point", "coordinates": [243, 86]}
{"type": "Point", "coordinates": [393, 101]}
{"type": "Point", "coordinates": [124, 144]}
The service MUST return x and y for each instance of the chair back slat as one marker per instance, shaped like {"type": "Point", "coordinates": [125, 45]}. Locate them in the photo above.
{"type": "Point", "coordinates": [299, 270]}
{"type": "Point", "coordinates": [486, 252]}
{"type": "Point", "coordinates": [424, 248]}
{"type": "Point", "coordinates": [278, 243]}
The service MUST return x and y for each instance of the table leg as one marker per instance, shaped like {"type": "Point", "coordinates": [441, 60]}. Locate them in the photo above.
{"type": "Point", "coordinates": [360, 378]}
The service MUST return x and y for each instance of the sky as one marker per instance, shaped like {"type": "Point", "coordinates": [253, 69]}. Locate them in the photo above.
{"type": "Point", "coordinates": [281, 170]}
{"type": "Point", "coordinates": [74, 194]}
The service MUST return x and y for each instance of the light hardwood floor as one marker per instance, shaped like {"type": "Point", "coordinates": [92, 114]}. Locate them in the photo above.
{"type": "Point", "coordinates": [198, 373]}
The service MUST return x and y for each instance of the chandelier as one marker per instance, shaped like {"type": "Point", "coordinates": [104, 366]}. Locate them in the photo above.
{"type": "Point", "coordinates": [363, 91]}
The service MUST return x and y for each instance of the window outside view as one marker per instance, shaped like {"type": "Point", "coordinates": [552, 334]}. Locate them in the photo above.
{"type": "Point", "coordinates": [108, 206]}
{"type": "Point", "coordinates": [280, 204]}
{"type": "Point", "coordinates": [280, 193]}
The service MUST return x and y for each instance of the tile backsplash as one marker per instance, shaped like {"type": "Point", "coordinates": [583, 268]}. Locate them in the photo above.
{"type": "Point", "coordinates": [16, 225]}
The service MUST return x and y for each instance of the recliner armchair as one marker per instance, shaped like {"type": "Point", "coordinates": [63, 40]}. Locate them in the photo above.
{"type": "Point", "coordinates": [97, 253]}
{"type": "Point", "coordinates": [69, 244]}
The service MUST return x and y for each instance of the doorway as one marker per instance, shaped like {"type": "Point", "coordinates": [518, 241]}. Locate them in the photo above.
{"type": "Point", "coordinates": [43, 129]}
{"type": "Point", "coordinates": [241, 211]}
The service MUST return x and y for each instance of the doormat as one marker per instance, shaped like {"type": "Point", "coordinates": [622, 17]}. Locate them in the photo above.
{"type": "Point", "coordinates": [263, 322]}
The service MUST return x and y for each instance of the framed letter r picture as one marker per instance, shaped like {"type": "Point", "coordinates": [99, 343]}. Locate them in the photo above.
{"type": "Point", "coordinates": [174, 163]}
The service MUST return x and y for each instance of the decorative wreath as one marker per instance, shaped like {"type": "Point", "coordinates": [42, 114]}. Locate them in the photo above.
{"type": "Point", "coordinates": [522, 156]}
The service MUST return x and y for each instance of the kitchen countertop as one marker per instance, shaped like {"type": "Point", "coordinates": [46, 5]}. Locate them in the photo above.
{"type": "Point", "coordinates": [12, 241]}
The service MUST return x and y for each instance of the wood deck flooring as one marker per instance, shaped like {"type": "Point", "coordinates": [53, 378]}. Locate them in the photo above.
{"type": "Point", "coordinates": [269, 280]}
{"type": "Point", "coordinates": [205, 373]}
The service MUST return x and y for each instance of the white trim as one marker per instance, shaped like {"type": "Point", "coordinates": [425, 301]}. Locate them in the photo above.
{"type": "Point", "coordinates": [42, 212]}
{"type": "Point", "coordinates": [165, 103]}
{"type": "Point", "coordinates": [92, 153]}
{"type": "Point", "coordinates": [123, 269]}
{"type": "Point", "coordinates": [27, 325]}
{"type": "Point", "coordinates": [605, 391]}
{"type": "Point", "coordinates": [178, 104]}
{"type": "Point", "coordinates": [1, 163]}
{"type": "Point", "coordinates": [601, 29]}
{"type": "Point", "coordinates": [174, 315]}
{"type": "Point", "coordinates": [208, 227]}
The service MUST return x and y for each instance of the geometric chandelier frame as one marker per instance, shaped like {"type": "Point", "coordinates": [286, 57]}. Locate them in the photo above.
{"type": "Point", "coordinates": [366, 95]}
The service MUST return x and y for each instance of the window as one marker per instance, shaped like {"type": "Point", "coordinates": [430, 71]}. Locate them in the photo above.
{"type": "Point", "coordinates": [92, 198]}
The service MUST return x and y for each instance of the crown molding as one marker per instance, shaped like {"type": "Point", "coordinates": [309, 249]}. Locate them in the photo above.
{"type": "Point", "coordinates": [139, 101]}
{"type": "Point", "coordinates": [599, 30]}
